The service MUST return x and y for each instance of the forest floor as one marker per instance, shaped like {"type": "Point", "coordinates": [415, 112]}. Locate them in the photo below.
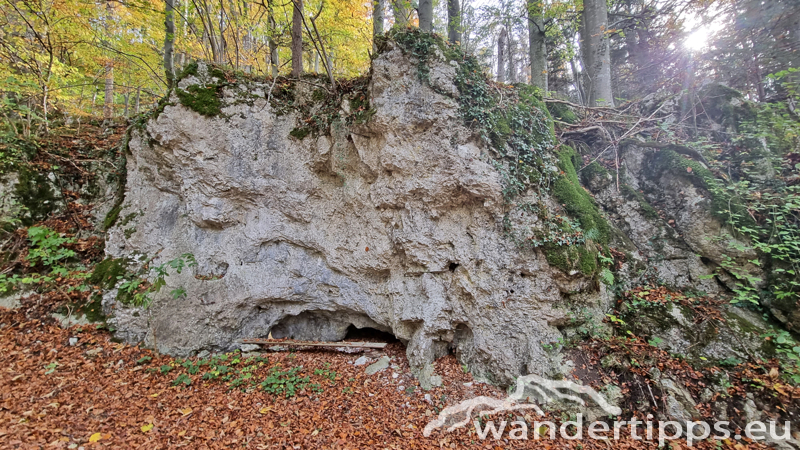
{"type": "Point", "coordinates": [77, 388]}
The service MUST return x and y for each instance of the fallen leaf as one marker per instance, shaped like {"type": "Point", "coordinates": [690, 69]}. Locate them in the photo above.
{"type": "Point", "coordinates": [95, 437]}
{"type": "Point", "coordinates": [146, 428]}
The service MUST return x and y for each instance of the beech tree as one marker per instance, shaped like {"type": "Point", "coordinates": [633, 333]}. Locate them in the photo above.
{"type": "Point", "coordinates": [425, 12]}
{"type": "Point", "coordinates": [377, 20]}
{"type": "Point", "coordinates": [297, 38]}
{"type": "Point", "coordinates": [453, 21]}
{"type": "Point", "coordinates": [596, 52]}
{"type": "Point", "coordinates": [501, 55]}
{"type": "Point", "coordinates": [537, 44]}
{"type": "Point", "coordinates": [169, 41]}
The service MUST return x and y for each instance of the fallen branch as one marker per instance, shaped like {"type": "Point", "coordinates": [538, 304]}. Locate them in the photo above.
{"type": "Point", "coordinates": [682, 149]}
{"type": "Point", "coordinates": [292, 343]}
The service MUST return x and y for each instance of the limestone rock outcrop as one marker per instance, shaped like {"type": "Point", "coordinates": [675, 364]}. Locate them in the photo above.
{"type": "Point", "coordinates": [395, 224]}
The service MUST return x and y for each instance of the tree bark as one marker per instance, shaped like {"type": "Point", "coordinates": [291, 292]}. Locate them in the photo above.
{"type": "Point", "coordinates": [108, 103]}
{"type": "Point", "coordinates": [273, 61]}
{"type": "Point", "coordinates": [297, 38]}
{"type": "Point", "coordinates": [138, 92]}
{"type": "Point", "coordinates": [453, 21]}
{"type": "Point", "coordinates": [501, 56]}
{"type": "Point", "coordinates": [512, 62]}
{"type": "Point", "coordinates": [377, 21]}
{"type": "Point", "coordinates": [169, 42]}
{"type": "Point", "coordinates": [596, 52]}
{"type": "Point", "coordinates": [425, 15]}
{"type": "Point", "coordinates": [537, 45]}
{"type": "Point", "coordinates": [401, 11]}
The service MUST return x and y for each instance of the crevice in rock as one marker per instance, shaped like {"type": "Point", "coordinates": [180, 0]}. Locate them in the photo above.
{"type": "Point", "coordinates": [369, 334]}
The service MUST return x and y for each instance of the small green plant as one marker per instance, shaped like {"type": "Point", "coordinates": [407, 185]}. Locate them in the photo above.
{"type": "Point", "coordinates": [144, 359]}
{"type": "Point", "coordinates": [326, 372]}
{"type": "Point", "coordinates": [137, 291]}
{"type": "Point", "coordinates": [182, 379]}
{"type": "Point", "coordinates": [615, 320]}
{"type": "Point", "coordinates": [164, 369]}
{"type": "Point", "coordinates": [50, 368]}
{"type": "Point", "coordinates": [47, 247]}
{"type": "Point", "coordinates": [285, 382]}
{"type": "Point", "coordinates": [786, 346]}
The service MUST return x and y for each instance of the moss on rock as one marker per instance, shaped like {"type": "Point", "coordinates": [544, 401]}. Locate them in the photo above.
{"type": "Point", "coordinates": [575, 200]}
{"type": "Point", "coordinates": [632, 194]}
{"type": "Point", "coordinates": [33, 190]}
{"type": "Point", "coordinates": [300, 133]}
{"type": "Point", "coordinates": [722, 202]}
{"type": "Point", "coordinates": [205, 100]}
{"type": "Point", "coordinates": [108, 271]}
{"type": "Point", "coordinates": [563, 113]}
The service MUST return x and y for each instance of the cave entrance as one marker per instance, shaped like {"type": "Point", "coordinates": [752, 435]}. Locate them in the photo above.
{"type": "Point", "coordinates": [367, 334]}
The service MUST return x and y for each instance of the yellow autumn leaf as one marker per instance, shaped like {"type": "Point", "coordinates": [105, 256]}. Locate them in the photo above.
{"type": "Point", "coordinates": [95, 437]}
{"type": "Point", "coordinates": [146, 428]}
{"type": "Point", "coordinates": [185, 411]}
{"type": "Point", "coordinates": [265, 410]}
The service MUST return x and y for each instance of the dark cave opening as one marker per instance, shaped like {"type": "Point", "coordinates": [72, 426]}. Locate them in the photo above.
{"type": "Point", "coordinates": [367, 334]}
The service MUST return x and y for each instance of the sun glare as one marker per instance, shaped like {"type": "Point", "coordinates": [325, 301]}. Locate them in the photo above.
{"type": "Point", "coordinates": [698, 39]}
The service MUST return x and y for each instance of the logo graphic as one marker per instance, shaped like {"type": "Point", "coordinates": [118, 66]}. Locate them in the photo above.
{"type": "Point", "coordinates": [528, 388]}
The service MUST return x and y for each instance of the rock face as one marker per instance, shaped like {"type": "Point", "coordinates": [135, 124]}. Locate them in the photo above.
{"type": "Point", "coordinates": [394, 225]}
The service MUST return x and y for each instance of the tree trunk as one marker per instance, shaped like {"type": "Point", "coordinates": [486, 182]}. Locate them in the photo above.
{"type": "Point", "coordinates": [138, 91]}
{"type": "Point", "coordinates": [537, 43]}
{"type": "Point", "coordinates": [377, 22]}
{"type": "Point", "coordinates": [501, 56]}
{"type": "Point", "coordinates": [401, 10]}
{"type": "Point", "coordinates": [596, 52]}
{"type": "Point", "coordinates": [169, 42]}
{"type": "Point", "coordinates": [108, 105]}
{"type": "Point", "coordinates": [297, 38]}
{"type": "Point", "coordinates": [512, 62]}
{"type": "Point", "coordinates": [425, 12]}
{"type": "Point", "coordinates": [579, 85]}
{"type": "Point", "coordinates": [453, 21]}
{"type": "Point", "coordinates": [273, 60]}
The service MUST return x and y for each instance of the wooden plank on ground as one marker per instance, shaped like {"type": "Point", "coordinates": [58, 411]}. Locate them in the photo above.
{"type": "Point", "coordinates": [292, 343]}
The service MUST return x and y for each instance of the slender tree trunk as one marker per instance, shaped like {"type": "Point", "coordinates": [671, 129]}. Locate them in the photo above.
{"type": "Point", "coordinates": [94, 101]}
{"type": "Point", "coordinates": [501, 56]}
{"type": "Point", "coordinates": [274, 63]}
{"type": "Point", "coordinates": [579, 86]}
{"type": "Point", "coordinates": [759, 77]}
{"type": "Point", "coordinates": [596, 52]}
{"type": "Point", "coordinates": [401, 10]}
{"type": "Point", "coordinates": [138, 92]}
{"type": "Point", "coordinates": [127, 102]}
{"type": "Point", "coordinates": [169, 42]}
{"type": "Point", "coordinates": [537, 44]}
{"type": "Point", "coordinates": [377, 21]}
{"type": "Point", "coordinates": [425, 12]}
{"type": "Point", "coordinates": [297, 38]}
{"type": "Point", "coordinates": [108, 105]}
{"type": "Point", "coordinates": [512, 61]}
{"type": "Point", "coordinates": [453, 21]}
